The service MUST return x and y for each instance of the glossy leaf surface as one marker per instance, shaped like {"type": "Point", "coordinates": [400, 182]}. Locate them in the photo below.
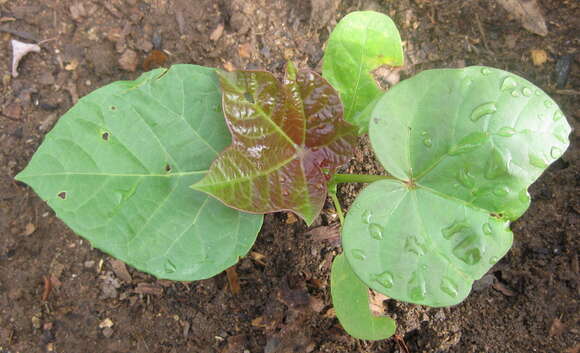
{"type": "Point", "coordinates": [350, 298]}
{"type": "Point", "coordinates": [117, 168]}
{"type": "Point", "coordinates": [466, 144]}
{"type": "Point", "coordinates": [361, 42]}
{"type": "Point", "coordinates": [287, 140]}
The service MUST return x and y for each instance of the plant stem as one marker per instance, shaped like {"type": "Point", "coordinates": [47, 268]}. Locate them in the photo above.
{"type": "Point", "coordinates": [358, 178]}
{"type": "Point", "coordinates": [337, 207]}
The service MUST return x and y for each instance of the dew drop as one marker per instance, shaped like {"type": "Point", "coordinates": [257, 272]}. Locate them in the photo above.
{"type": "Point", "coordinates": [508, 83]}
{"type": "Point", "coordinates": [359, 254]}
{"type": "Point", "coordinates": [527, 92]}
{"type": "Point", "coordinates": [483, 110]}
{"type": "Point", "coordinates": [538, 92]}
{"type": "Point", "coordinates": [555, 152]}
{"type": "Point", "coordinates": [493, 260]}
{"type": "Point", "coordinates": [495, 166]}
{"type": "Point", "coordinates": [467, 250]}
{"type": "Point", "coordinates": [169, 266]}
{"type": "Point", "coordinates": [414, 246]}
{"type": "Point", "coordinates": [424, 267]}
{"type": "Point", "coordinates": [428, 142]}
{"type": "Point", "coordinates": [548, 103]}
{"type": "Point", "coordinates": [516, 93]}
{"type": "Point", "coordinates": [465, 178]}
{"type": "Point", "coordinates": [454, 228]}
{"type": "Point", "coordinates": [558, 115]}
{"type": "Point", "coordinates": [487, 230]}
{"type": "Point", "coordinates": [366, 217]}
{"type": "Point", "coordinates": [537, 162]}
{"type": "Point", "coordinates": [449, 287]}
{"type": "Point", "coordinates": [385, 279]}
{"type": "Point", "coordinates": [376, 231]}
{"type": "Point", "coordinates": [507, 131]}
{"type": "Point", "coordinates": [485, 71]}
{"type": "Point", "coordinates": [501, 191]}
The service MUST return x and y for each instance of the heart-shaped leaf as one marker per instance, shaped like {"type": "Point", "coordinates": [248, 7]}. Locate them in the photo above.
{"type": "Point", "coordinates": [287, 140]}
{"type": "Point", "coordinates": [464, 146]}
{"type": "Point", "coordinates": [360, 43]}
{"type": "Point", "coordinates": [350, 298]}
{"type": "Point", "coordinates": [117, 167]}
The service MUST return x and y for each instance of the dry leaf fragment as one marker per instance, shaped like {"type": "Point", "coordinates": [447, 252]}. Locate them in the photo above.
{"type": "Point", "coordinates": [233, 280]}
{"type": "Point", "coordinates": [29, 229]}
{"type": "Point", "coordinates": [539, 56]}
{"type": "Point", "coordinates": [376, 300]}
{"type": "Point", "coordinates": [120, 270]}
{"type": "Point", "coordinates": [147, 288]}
{"type": "Point", "coordinates": [557, 328]}
{"type": "Point", "coordinates": [291, 218]}
{"type": "Point", "coordinates": [106, 323]}
{"type": "Point", "coordinates": [19, 50]}
{"type": "Point", "coordinates": [528, 13]}
{"type": "Point", "coordinates": [245, 50]}
{"type": "Point", "coordinates": [503, 289]}
{"type": "Point", "coordinates": [128, 61]}
{"type": "Point", "coordinates": [217, 33]}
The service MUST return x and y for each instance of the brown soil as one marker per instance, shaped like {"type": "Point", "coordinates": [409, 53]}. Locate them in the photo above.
{"type": "Point", "coordinates": [527, 303]}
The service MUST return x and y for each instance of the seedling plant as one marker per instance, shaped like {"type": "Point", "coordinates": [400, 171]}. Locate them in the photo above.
{"type": "Point", "coordinates": [172, 172]}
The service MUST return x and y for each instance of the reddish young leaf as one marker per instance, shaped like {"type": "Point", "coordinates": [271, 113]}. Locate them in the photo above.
{"type": "Point", "coordinates": [287, 140]}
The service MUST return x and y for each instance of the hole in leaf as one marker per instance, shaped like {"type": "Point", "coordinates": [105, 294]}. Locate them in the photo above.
{"type": "Point", "coordinates": [62, 195]}
{"type": "Point", "coordinates": [249, 97]}
{"type": "Point", "coordinates": [167, 168]}
{"type": "Point", "coordinates": [105, 136]}
{"type": "Point", "coordinates": [113, 107]}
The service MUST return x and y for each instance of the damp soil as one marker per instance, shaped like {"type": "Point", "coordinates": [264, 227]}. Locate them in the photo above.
{"type": "Point", "coordinates": [57, 294]}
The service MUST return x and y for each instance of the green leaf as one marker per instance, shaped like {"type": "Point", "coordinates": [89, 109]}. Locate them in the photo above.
{"type": "Point", "coordinates": [350, 298]}
{"type": "Point", "coordinates": [117, 169]}
{"type": "Point", "coordinates": [288, 140]}
{"type": "Point", "coordinates": [465, 145]}
{"type": "Point", "coordinates": [361, 42]}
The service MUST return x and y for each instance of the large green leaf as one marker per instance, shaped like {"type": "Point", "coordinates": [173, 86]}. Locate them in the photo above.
{"type": "Point", "coordinates": [350, 298]}
{"type": "Point", "coordinates": [361, 42]}
{"type": "Point", "coordinates": [464, 145]}
{"type": "Point", "coordinates": [117, 169]}
{"type": "Point", "coordinates": [288, 139]}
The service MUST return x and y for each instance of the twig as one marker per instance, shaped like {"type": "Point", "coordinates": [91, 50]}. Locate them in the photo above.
{"type": "Point", "coordinates": [47, 288]}
{"type": "Point", "coordinates": [401, 343]}
{"type": "Point", "coordinates": [482, 32]}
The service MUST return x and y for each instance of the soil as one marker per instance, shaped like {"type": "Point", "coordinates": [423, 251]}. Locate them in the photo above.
{"type": "Point", "coordinates": [57, 294]}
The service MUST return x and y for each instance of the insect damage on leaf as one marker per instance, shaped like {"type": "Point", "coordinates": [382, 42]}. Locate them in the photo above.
{"type": "Point", "coordinates": [287, 140]}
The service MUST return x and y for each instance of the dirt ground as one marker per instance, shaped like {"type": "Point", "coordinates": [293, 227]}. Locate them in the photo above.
{"type": "Point", "coordinates": [528, 302]}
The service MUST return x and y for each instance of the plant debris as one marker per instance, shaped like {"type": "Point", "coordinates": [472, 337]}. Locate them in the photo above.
{"type": "Point", "coordinates": [19, 51]}
{"type": "Point", "coordinates": [528, 13]}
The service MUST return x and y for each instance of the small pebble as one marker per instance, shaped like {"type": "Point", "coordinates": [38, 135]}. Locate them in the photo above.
{"type": "Point", "coordinates": [107, 332]}
{"type": "Point", "coordinates": [89, 264]}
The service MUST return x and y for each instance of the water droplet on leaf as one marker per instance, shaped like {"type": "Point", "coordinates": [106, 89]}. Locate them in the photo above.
{"type": "Point", "coordinates": [428, 142]}
{"type": "Point", "coordinates": [170, 266]}
{"type": "Point", "coordinates": [508, 83]}
{"type": "Point", "coordinates": [359, 254]}
{"type": "Point", "coordinates": [376, 231]}
{"type": "Point", "coordinates": [527, 92]}
{"type": "Point", "coordinates": [501, 191]}
{"type": "Point", "coordinates": [449, 287]}
{"type": "Point", "coordinates": [454, 228]}
{"type": "Point", "coordinates": [495, 166]}
{"type": "Point", "coordinates": [537, 161]}
{"type": "Point", "coordinates": [493, 260]}
{"type": "Point", "coordinates": [485, 71]}
{"type": "Point", "coordinates": [516, 93]}
{"type": "Point", "coordinates": [414, 246]}
{"type": "Point", "coordinates": [483, 110]}
{"type": "Point", "coordinates": [487, 230]}
{"type": "Point", "coordinates": [507, 131]}
{"type": "Point", "coordinates": [467, 250]}
{"type": "Point", "coordinates": [366, 217]}
{"type": "Point", "coordinates": [558, 115]}
{"type": "Point", "coordinates": [555, 152]}
{"type": "Point", "coordinates": [385, 279]}
{"type": "Point", "coordinates": [465, 178]}
{"type": "Point", "coordinates": [548, 103]}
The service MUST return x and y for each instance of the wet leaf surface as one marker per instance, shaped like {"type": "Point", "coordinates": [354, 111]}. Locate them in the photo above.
{"type": "Point", "coordinates": [463, 145]}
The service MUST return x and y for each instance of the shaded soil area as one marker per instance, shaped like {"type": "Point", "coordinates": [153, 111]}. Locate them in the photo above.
{"type": "Point", "coordinates": [528, 302]}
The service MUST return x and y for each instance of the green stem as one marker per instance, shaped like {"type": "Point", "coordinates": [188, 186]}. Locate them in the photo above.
{"type": "Point", "coordinates": [357, 178]}
{"type": "Point", "coordinates": [337, 207]}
